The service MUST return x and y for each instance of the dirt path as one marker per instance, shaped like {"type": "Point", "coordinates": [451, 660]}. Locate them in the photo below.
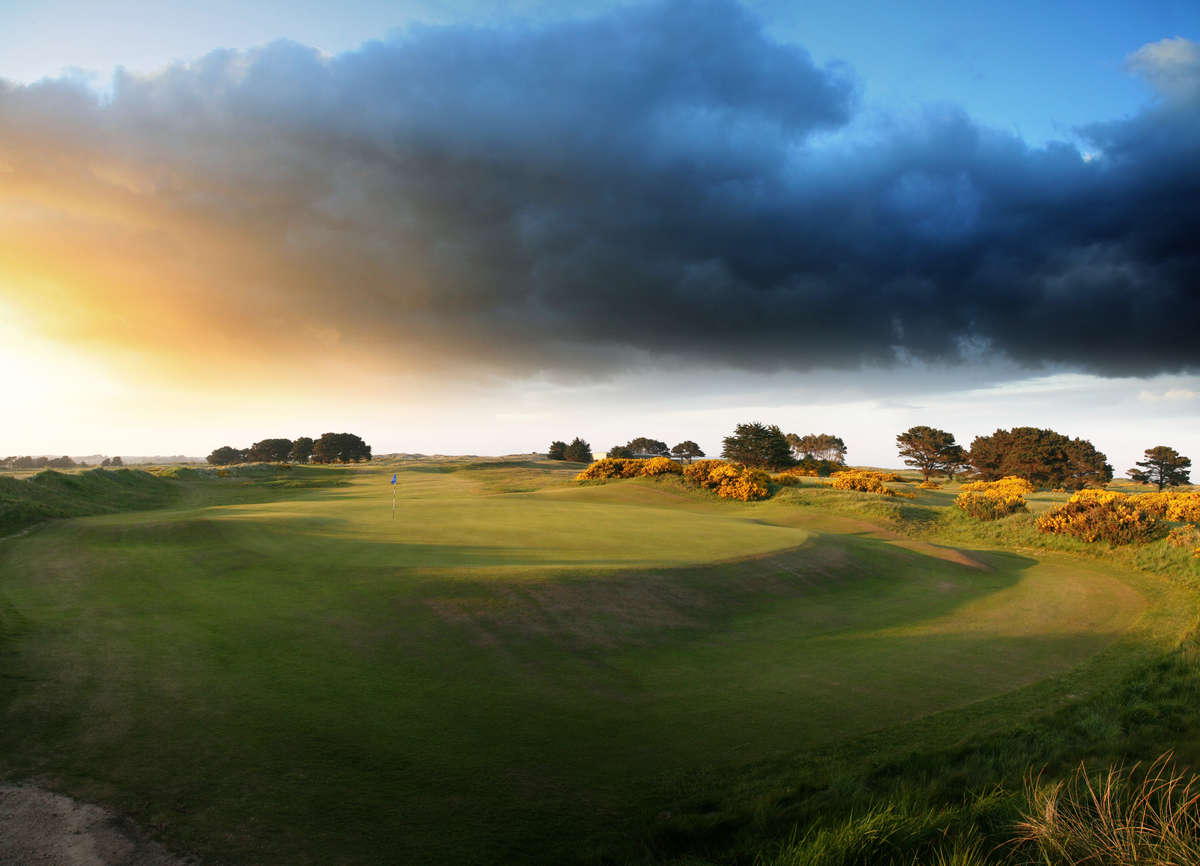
{"type": "Point", "coordinates": [39, 827]}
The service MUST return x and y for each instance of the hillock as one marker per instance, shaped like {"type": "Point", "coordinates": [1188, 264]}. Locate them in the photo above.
{"type": "Point", "coordinates": [51, 494]}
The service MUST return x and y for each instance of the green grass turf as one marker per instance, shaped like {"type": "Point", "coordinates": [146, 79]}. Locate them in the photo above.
{"type": "Point", "coordinates": [515, 668]}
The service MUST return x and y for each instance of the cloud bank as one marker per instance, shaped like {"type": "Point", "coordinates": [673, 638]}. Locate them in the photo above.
{"type": "Point", "coordinates": [661, 184]}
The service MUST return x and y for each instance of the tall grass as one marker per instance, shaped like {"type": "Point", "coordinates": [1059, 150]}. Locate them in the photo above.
{"type": "Point", "coordinates": [895, 833]}
{"type": "Point", "coordinates": [1123, 815]}
{"type": "Point", "coordinates": [1119, 817]}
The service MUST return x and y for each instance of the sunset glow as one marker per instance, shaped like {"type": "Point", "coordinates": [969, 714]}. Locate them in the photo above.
{"type": "Point", "coordinates": [478, 236]}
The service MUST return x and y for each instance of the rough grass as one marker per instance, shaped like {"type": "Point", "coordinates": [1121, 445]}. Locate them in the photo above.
{"type": "Point", "coordinates": [50, 494]}
{"type": "Point", "coordinates": [1121, 816]}
{"type": "Point", "coordinates": [518, 669]}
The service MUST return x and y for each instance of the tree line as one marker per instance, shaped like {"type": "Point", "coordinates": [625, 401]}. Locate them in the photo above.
{"type": "Point", "coordinates": [63, 462]}
{"type": "Point", "coordinates": [753, 444]}
{"type": "Point", "coordinates": [1044, 458]}
{"type": "Point", "coordinates": [329, 448]}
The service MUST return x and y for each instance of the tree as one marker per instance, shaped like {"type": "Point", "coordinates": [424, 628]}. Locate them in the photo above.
{"type": "Point", "coordinates": [818, 446]}
{"type": "Point", "coordinates": [1085, 465]}
{"type": "Point", "coordinates": [644, 445]}
{"type": "Point", "coordinates": [930, 450]}
{"type": "Point", "coordinates": [687, 450]}
{"type": "Point", "coordinates": [756, 444]}
{"type": "Point", "coordinates": [578, 451]}
{"type": "Point", "coordinates": [955, 461]}
{"type": "Point", "coordinates": [270, 451]}
{"type": "Point", "coordinates": [116, 461]}
{"type": "Point", "coordinates": [1163, 466]}
{"type": "Point", "coordinates": [340, 448]}
{"type": "Point", "coordinates": [63, 462]}
{"type": "Point", "coordinates": [302, 449]}
{"type": "Point", "coordinates": [1044, 458]}
{"type": "Point", "coordinates": [620, 452]}
{"type": "Point", "coordinates": [223, 456]}
{"type": "Point", "coordinates": [558, 450]}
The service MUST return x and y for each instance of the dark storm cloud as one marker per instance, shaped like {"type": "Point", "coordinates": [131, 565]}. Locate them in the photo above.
{"type": "Point", "coordinates": [661, 182]}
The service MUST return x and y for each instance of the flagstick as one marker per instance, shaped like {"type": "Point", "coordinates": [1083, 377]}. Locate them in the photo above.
{"type": "Point", "coordinates": [393, 502]}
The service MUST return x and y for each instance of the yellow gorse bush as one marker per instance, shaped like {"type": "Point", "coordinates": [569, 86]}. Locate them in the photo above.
{"type": "Point", "coordinates": [864, 480]}
{"type": "Point", "coordinates": [929, 485]}
{"type": "Point", "coordinates": [1179, 507]}
{"type": "Point", "coordinates": [697, 472]}
{"type": "Point", "coordinates": [628, 467]}
{"type": "Point", "coordinates": [990, 500]}
{"type": "Point", "coordinates": [1185, 507]}
{"type": "Point", "coordinates": [731, 481]}
{"type": "Point", "coordinates": [661, 466]}
{"type": "Point", "coordinates": [727, 480]}
{"type": "Point", "coordinates": [1102, 515]}
{"type": "Point", "coordinates": [1009, 485]}
{"type": "Point", "coordinates": [611, 467]}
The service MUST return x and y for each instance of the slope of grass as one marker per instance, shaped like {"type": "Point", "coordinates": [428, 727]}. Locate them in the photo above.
{"type": "Point", "coordinates": [516, 668]}
{"type": "Point", "coordinates": [51, 494]}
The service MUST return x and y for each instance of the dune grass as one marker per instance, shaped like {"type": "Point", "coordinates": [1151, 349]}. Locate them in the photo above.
{"type": "Point", "coordinates": [270, 668]}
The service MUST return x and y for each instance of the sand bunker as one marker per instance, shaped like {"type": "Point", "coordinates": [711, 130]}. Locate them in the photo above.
{"type": "Point", "coordinates": [37, 826]}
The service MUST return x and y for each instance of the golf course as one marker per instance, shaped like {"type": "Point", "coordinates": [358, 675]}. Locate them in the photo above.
{"type": "Point", "coordinates": [490, 662]}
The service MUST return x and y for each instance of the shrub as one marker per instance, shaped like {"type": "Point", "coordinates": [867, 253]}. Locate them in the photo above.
{"type": "Point", "coordinates": [1185, 536]}
{"type": "Point", "coordinates": [661, 466]}
{"type": "Point", "coordinates": [1184, 507]}
{"type": "Point", "coordinates": [611, 467]}
{"type": "Point", "coordinates": [731, 481]}
{"type": "Point", "coordinates": [697, 473]}
{"type": "Point", "coordinates": [929, 485]}
{"type": "Point", "coordinates": [1179, 507]}
{"type": "Point", "coordinates": [991, 500]}
{"type": "Point", "coordinates": [1101, 515]}
{"type": "Point", "coordinates": [728, 480]}
{"type": "Point", "coordinates": [1010, 485]}
{"type": "Point", "coordinates": [1156, 504]}
{"type": "Point", "coordinates": [786, 479]}
{"type": "Point", "coordinates": [863, 480]}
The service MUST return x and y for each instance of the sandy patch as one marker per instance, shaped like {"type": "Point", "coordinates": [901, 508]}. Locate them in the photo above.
{"type": "Point", "coordinates": [39, 827]}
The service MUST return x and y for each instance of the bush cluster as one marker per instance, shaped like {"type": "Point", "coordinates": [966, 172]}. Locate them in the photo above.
{"type": "Point", "coordinates": [990, 500]}
{"type": "Point", "coordinates": [661, 466]}
{"type": "Point", "coordinates": [1177, 507]}
{"type": "Point", "coordinates": [929, 485]}
{"type": "Point", "coordinates": [1185, 536]}
{"type": "Point", "coordinates": [734, 481]}
{"type": "Point", "coordinates": [865, 480]}
{"type": "Point", "coordinates": [611, 467]}
{"type": "Point", "coordinates": [1101, 515]}
{"type": "Point", "coordinates": [629, 467]}
{"type": "Point", "coordinates": [697, 472]}
{"type": "Point", "coordinates": [728, 480]}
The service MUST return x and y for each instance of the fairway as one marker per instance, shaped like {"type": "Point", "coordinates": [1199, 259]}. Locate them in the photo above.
{"type": "Point", "coordinates": [513, 668]}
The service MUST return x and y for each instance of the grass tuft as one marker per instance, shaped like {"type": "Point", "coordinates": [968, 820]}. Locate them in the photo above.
{"type": "Point", "coordinates": [1119, 817]}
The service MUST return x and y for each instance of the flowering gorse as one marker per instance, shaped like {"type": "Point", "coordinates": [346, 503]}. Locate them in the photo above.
{"type": "Point", "coordinates": [990, 500]}
{"type": "Point", "coordinates": [1102, 515]}
{"type": "Point", "coordinates": [864, 480]}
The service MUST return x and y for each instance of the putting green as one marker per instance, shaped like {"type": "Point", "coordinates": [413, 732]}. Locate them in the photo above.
{"type": "Point", "coordinates": [512, 669]}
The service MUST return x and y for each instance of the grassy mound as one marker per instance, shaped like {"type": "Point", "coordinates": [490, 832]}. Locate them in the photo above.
{"type": "Point", "coordinates": [24, 502]}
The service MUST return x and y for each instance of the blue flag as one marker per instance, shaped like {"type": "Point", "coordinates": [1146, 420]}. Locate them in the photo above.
{"type": "Point", "coordinates": [393, 479]}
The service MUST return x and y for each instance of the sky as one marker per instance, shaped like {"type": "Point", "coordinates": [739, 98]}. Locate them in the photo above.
{"type": "Point", "coordinates": [476, 227]}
